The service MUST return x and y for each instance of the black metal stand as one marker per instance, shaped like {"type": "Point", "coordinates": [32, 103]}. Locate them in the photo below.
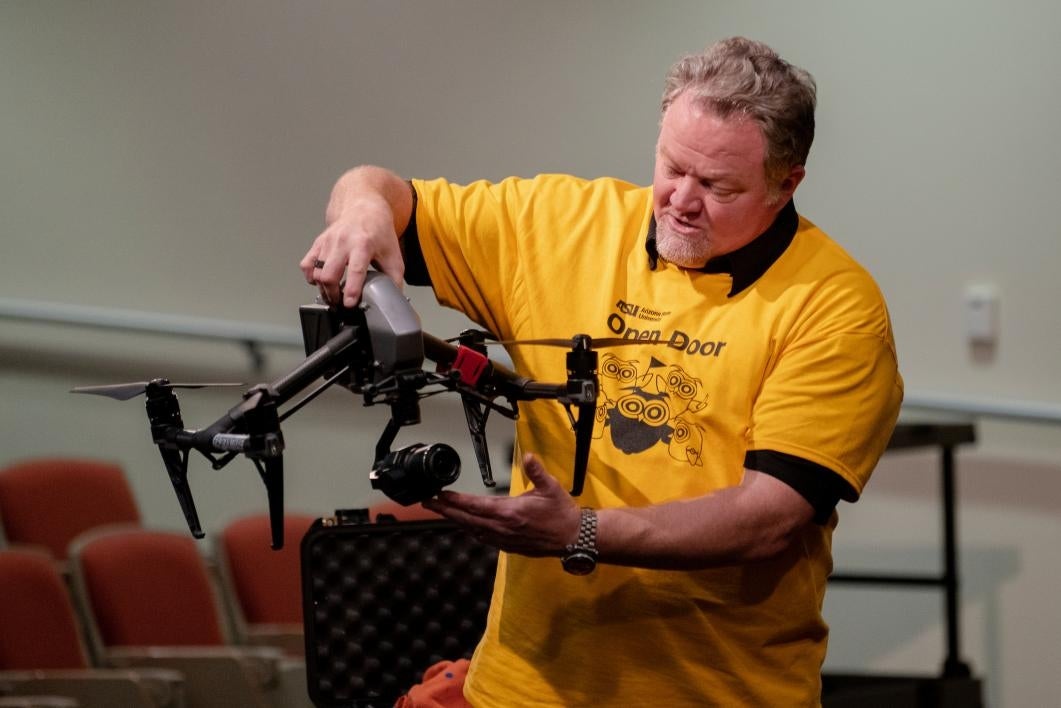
{"type": "Point", "coordinates": [945, 436]}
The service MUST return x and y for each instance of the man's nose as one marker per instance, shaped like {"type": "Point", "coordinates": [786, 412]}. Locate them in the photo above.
{"type": "Point", "coordinates": [686, 195]}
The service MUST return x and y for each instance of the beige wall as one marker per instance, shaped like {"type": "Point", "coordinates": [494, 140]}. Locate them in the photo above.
{"type": "Point", "coordinates": [175, 157]}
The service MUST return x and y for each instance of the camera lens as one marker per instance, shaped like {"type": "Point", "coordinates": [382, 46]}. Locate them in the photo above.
{"type": "Point", "coordinates": [440, 462]}
{"type": "Point", "coordinates": [416, 472]}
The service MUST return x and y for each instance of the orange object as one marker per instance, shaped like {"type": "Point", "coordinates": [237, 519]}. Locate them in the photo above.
{"type": "Point", "coordinates": [441, 687]}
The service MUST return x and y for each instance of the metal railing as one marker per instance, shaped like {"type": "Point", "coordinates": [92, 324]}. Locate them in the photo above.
{"type": "Point", "coordinates": [253, 337]}
{"type": "Point", "coordinates": [1025, 411]}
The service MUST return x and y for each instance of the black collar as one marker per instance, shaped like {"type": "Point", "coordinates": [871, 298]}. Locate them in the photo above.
{"type": "Point", "coordinates": [748, 263]}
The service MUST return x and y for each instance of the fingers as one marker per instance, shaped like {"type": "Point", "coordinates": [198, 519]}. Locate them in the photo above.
{"type": "Point", "coordinates": [340, 257]}
{"type": "Point", "coordinates": [391, 262]}
{"type": "Point", "coordinates": [355, 282]}
{"type": "Point", "coordinates": [464, 507]}
{"type": "Point", "coordinates": [539, 522]}
{"type": "Point", "coordinates": [312, 267]}
{"type": "Point", "coordinates": [308, 264]}
{"type": "Point", "coordinates": [338, 273]}
{"type": "Point", "coordinates": [495, 521]}
{"type": "Point", "coordinates": [322, 266]}
{"type": "Point", "coordinates": [537, 474]}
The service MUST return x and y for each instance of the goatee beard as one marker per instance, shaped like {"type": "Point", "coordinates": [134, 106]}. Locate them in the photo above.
{"type": "Point", "coordinates": [681, 251]}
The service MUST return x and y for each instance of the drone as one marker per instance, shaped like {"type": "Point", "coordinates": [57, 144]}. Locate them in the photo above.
{"type": "Point", "coordinates": [378, 350]}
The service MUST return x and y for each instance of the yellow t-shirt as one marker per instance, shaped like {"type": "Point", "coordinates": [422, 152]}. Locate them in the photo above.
{"type": "Point", "coordinates": [801, 362]}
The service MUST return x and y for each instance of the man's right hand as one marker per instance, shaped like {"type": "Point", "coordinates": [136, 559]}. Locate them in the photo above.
{"type": "Point", "coordinates": [369, 207]}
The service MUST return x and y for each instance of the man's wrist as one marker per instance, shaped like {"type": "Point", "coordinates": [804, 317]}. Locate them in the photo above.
{"type": "Point", "coordinates": [580, 557]}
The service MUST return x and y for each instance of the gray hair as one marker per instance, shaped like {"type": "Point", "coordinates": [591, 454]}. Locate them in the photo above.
{"type": "Point", "coordinates": [739, 76]}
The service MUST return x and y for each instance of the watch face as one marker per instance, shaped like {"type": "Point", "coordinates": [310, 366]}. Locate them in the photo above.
{"type": "Point", "coordinates": [579, 563]}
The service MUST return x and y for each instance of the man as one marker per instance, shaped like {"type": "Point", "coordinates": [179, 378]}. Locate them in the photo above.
{"type": "Point", "coordinates": [765, 391]}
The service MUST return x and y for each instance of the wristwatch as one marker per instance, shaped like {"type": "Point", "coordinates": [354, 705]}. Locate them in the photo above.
{"type": "Point", "coordinates": [580, 557]}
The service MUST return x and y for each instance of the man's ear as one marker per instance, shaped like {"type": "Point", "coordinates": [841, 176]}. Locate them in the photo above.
{"type": "Point", "coordinates": [788, 185]}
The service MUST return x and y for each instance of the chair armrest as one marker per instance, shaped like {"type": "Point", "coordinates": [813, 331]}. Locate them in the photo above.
{"type": "Point", "coordinates": [38, 702]}
{"type": "Point", "coordinates": [99, 688]}
{"type": "Point", "coordinates": [294, 687]}
{"type": "Point", "coordinates": [220, 676]}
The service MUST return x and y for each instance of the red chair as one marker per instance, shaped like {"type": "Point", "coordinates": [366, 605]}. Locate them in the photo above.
{"type": "Point", "coordinates": [40, 627]}
{"type": "Point", "coordinates": [263, 586]}
{"type": "Point", "coordinates": [49, 501]}
{"type": "Point", "coordinates": [41, 651]}
{"type": "Point", "coordinates": [146, 588]}
{"type": "Point", "coordinates": [148, 600]}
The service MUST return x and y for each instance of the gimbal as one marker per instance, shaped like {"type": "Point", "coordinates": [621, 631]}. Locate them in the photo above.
{"type": "Point", "coordinates": [376, 349]}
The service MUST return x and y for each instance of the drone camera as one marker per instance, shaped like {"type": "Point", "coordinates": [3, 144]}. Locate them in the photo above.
{"type": "Point", "coordinates": [416, 472]}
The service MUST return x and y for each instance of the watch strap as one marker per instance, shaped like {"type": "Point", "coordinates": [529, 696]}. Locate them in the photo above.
{"type": "Point", "coordinates": [580, 557]}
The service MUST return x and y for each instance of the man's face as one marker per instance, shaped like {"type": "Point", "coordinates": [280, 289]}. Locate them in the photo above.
{"type": "Point", "coordinates": [709, 191]}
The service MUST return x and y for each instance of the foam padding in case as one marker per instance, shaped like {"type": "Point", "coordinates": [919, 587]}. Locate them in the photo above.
{"type": "Point", "coordinates": [383, 602]}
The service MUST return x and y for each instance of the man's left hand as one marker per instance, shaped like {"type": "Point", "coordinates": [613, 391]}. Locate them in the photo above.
{"type": "Point", "coordinates": [539, 522]}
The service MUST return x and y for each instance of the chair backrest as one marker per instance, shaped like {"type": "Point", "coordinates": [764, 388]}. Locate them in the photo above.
{"type": "Point", "coordinates": [265, 584]}
{"type": "Point", "coordinates": [38, 624]}
{"type": "Point", "coordinates": [141, 587]}
{"type": "Point", "coordinates": [49, 501]}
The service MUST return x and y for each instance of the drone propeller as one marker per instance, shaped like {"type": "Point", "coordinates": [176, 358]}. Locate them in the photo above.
{"type": "Point", "coordinates": [489, 339]}
{"type": "Point", "coordinates": [123, 392]}
{"type": "Point", "coordinates": [601, 343]}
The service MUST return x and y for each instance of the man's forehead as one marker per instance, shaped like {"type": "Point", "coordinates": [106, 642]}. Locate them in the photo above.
{"type": "Point", "coordinates": [710, 152]}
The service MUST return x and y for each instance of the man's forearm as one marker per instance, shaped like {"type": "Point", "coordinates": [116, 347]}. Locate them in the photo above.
{"type": "Point", "coordinates": [371, 183]}
{"type": "Point", "coordinates": [746, 523]}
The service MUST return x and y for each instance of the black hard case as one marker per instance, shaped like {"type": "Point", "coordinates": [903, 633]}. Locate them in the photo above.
{"type": "Point", "coordinates": [382, 602]}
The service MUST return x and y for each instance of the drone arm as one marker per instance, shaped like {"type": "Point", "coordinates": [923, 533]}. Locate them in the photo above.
{"type": "Point", "coordinates": [533, 390]}
{"type": "Point", "coordinates": [316, 364]}
{"type": "Point", "coordinates": [252, 427]}
{"type": "Point", "coordinates": [580, 392]}
{"type": "Point", "coordinates": [221, 435]}
{"type": "Point", "coordinates": [500, 379]}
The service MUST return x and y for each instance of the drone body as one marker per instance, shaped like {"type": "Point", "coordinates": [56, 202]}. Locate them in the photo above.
{"type": "Point", "coordinates": [377, 350]}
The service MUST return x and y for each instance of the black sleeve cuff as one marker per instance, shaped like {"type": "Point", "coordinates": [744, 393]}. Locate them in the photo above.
{"type": "Point", "coordinates": [819, 485]}
{"type": "Point", "coordinates": [415, 267]}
